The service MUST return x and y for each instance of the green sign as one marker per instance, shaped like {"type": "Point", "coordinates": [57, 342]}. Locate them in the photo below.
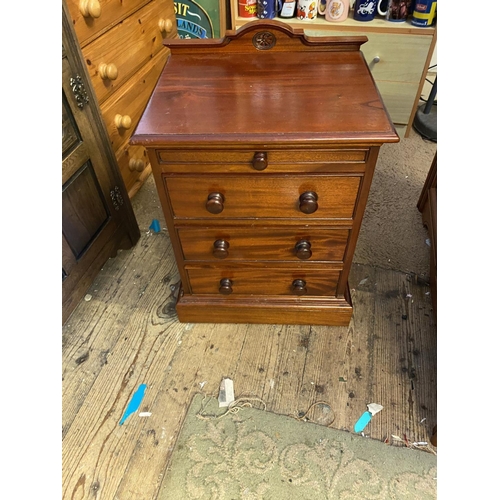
{"type": "Point", "coordinates": [200, 19]}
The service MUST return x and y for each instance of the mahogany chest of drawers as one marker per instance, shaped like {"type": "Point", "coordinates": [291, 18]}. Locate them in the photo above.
{"type": "Point", "coordinates": [263, 146]}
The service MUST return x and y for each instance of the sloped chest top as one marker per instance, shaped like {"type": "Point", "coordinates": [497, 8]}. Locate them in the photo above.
{"type": "Point", "coordinates": [267, 84]}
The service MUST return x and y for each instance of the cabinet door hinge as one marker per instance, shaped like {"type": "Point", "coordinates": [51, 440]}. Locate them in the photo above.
{"type": "Point", "coordinates": [116, 197]}
{"type": "Point", "coordinates": [79, 91]}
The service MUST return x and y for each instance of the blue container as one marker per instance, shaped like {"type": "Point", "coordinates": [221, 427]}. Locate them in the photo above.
{"type": "Point", "coordinates": [424, 13]}
{"type": "Point", "coordinates": [365, 10]}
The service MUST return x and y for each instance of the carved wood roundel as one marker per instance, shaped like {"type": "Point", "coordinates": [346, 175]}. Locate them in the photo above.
{"type": "Point", "coordinates": [264, 40]}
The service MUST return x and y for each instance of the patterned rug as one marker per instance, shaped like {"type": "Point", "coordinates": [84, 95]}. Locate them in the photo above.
{"type": "Point", "coordinates": [248, 453]}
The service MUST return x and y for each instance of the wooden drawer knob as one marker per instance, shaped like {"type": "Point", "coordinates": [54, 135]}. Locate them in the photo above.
{"type": "Point", "coordinates": [215, 203]}
{"type": "Point", "coordinates": [90, 8]}
{"type": "Point", "coordinates": [308, 202]}
{"type": "Point", "coordinates": [303, 250]}
{"type": "Point", "coordinates": [165, 25]}
{"type": "Point", "coordinates": [123, 121]}
{"type": "Point", "coordinates": [259, 161]}
{"type": "Point", "coordinates": [136, 165]}
{"type": "Point", "coordinates": [221, 249]}
{"type": "Point", "coordinates": [108, 71]}
{"type": "Point", "coordinates": [226, 286]}
{"type": "Point", "coordinates": [299, 287]}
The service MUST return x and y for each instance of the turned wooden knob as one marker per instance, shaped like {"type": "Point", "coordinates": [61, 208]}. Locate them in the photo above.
{"type": "Point", "coordinates": [136, 165]}
{"type": "Point", "coordinates": [226, 286]}
{"type": "Point", "coordinates": [123, 121]}
{"type": "Point", "coordinates": [299, 287]}
{"type": "Point", "coordinates": [90, 8]}
{"type": "Point", "coordinates": [259, 161]}
{"type": "Point", "coordinates": [215, 203]}
{"type": "Point", "coordinates": [303, 250]}
{"type": "Point", "coordinates": [308, 202]}
{"type": "Point", "coordinates": [108, 71]}
{"type": "Point", "coordinates": [165, 25]}
{"type": "Point", "coordinates": [221, 249]}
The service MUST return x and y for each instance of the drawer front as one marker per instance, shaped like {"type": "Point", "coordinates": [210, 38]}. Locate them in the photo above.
{"type": "Point", "coordinates": [328, 197]}
{"type": "Point", "coordinates": [401, 57]}
{"type": "Point", "coordinates": [253, 281]}
{"type": "Point", "coordinates": [92, 18]}
{"type": "Point", "coordinates": [132, 160]}
{"type": "Point", "coordinates": [118, 54]}
{"type": "Point", "coordinates": [265, 162]}
{"type": "Point", "coordinates": [122, 111]}
{"type": "Point", "coordinates": [265, 244]}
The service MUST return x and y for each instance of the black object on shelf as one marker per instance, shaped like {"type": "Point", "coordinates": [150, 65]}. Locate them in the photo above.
{"type": "Point", "coordinates": [425, 121]}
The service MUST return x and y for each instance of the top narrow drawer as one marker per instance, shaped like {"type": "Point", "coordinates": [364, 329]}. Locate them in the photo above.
{"type": "Point", "coordinates": [203, 161]}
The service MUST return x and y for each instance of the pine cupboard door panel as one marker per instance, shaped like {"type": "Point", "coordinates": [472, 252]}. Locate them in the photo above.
{"type": "Point", "coordinates": [119, 53]}
{"type": "Point", "coordinates": [91, 18]}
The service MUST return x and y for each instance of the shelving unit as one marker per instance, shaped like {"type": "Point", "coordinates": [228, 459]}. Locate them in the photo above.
{"type": "Point", "coordinates": [398, 54]}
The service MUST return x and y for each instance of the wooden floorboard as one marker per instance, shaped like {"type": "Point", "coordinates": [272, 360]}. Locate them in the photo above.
{"type": "Point", "coordinates": [128, 334]}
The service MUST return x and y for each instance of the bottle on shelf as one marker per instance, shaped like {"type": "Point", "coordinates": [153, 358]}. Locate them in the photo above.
{"type": "Point", "coordinates": [322, 7]}
{"type": "Point", "coordinates": [288, 9]}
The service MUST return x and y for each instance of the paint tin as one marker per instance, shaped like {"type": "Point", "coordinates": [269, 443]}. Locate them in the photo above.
{"type": "Point", "coordinates": [247, 8]}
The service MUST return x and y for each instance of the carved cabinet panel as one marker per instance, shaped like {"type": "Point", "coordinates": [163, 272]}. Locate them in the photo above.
{"type": "Point", "coordinates": [97, 216]}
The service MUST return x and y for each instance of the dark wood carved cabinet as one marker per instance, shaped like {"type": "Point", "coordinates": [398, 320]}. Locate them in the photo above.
{"type": "Point", "coordinates": [263, 146]}
{"type": "Point", "coordinates": [97, 216]}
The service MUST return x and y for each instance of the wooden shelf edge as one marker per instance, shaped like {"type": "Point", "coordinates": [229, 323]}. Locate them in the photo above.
{"type": "Point", "coordinates": [375, 26]}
